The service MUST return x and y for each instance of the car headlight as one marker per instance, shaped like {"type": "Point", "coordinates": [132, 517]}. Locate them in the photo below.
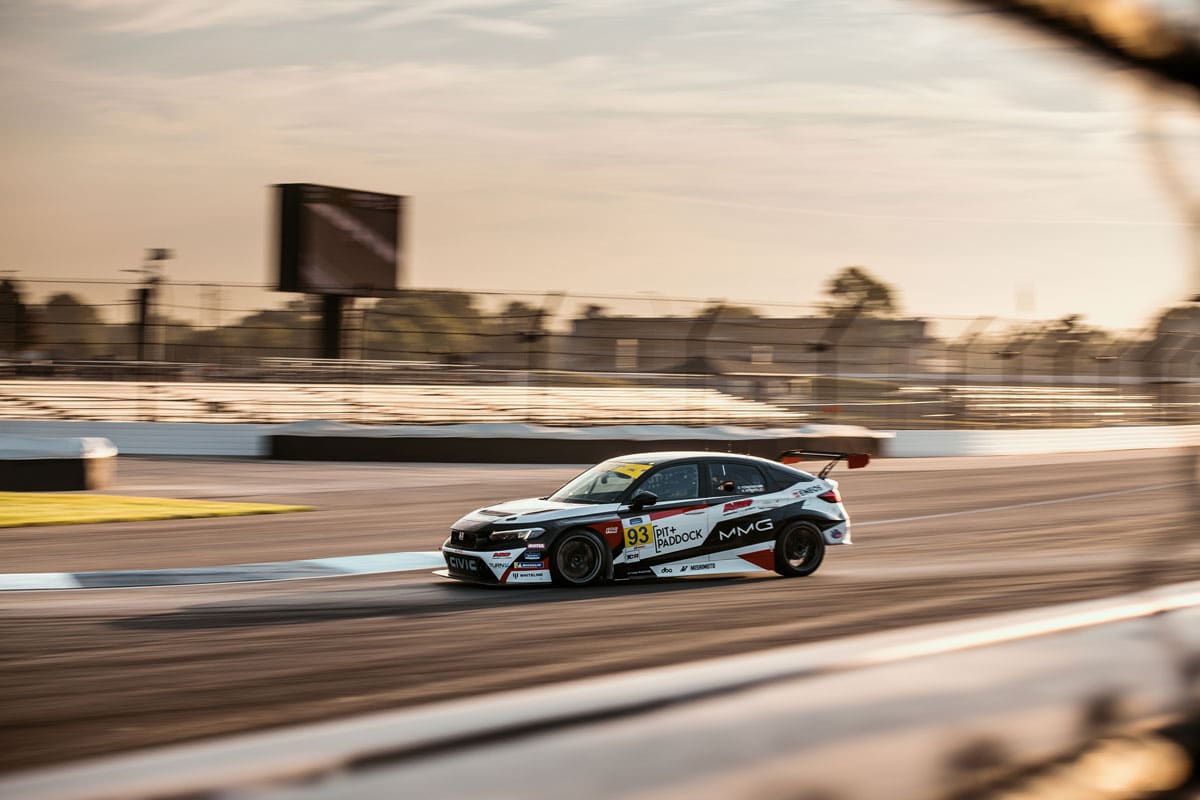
{"type": "Point", "coordinates": [511, 536]}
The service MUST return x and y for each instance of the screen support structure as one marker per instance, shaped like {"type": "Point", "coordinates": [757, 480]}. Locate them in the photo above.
{"type": "Point", "coordinates": [333, 308]}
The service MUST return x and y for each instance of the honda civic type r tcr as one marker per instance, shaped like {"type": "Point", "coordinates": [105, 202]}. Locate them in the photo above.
{"type": "Point", "coordinates": [651, 515]}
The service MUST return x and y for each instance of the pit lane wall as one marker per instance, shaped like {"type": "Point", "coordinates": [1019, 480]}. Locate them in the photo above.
{"type": "Point", "coordinates": [1107, 691]}
{"type": "Point", "coordinates": [519, 443]}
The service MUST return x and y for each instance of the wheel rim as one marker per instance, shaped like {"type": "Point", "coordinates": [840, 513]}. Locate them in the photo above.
{"type": "Point", "coordinates": [578, 559]}
{"type": "Point", "coordinates": [799, 549]}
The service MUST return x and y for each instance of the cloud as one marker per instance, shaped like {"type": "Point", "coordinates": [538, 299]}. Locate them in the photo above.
{"type": "Point", "coordinates": [521, 18]}
{"type": "Point", "coordinates": [156, 16]}
{"type": "Point", "coordinates": [463, 14]}
{"type": "Point", "coordinates": [504, 27]}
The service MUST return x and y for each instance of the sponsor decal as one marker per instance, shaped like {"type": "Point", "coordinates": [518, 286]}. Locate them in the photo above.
{"type": "Point", "coordinates": [536, 546]}
{"type": "Point", "coordinates": [836, 534]}
{"type": "Point", "coordinates": [611, 530]}
{"type": "Point", "coordinates": [751, 488]}
{"type": "Point", "coordinates": [501, 555]}
{"type": "Point", "coordinates": [666, 570]}
{"type": "Point", "coordinates": [753, 526]}
{"type": "Point", "coordinates": [463, 564]}
{"type": "Point", "coordinates": [530, 565]}
{"type": "Point", "coordinates": [633, 555]}
{"type": "Point", "coordinates": [736, 504]}
{"type": "Point", "coordinates": [667, 536]}
{"type": "Point", "coordinates": [517, 577]}
{"type": "Point", "coordinates": [697, 567]}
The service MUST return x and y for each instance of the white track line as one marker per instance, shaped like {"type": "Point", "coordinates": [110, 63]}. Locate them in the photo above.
{"type": "Point", "coordinates": [337, 566]}
{"type": "Point", "coordinates": [1072, 499]}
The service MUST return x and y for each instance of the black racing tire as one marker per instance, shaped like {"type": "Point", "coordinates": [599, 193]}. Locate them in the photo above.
{"type": "Point", "coordinates": [579, 558]}
{"type": "Point", "coordinates": [799, 550]}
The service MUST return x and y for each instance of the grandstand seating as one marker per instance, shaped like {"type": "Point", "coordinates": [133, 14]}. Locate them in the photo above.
{"type": "Point", "coordinates": [376, 403]}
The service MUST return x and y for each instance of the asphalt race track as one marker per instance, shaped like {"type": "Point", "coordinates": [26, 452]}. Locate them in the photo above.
{"type": "Point", "coordinates": [85, 672]}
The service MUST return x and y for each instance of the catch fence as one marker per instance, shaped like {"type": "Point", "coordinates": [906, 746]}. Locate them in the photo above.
{"type": "Point", "coordinates": [234, 353]}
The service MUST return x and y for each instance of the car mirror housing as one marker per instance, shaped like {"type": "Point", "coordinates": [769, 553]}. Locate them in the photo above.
{"type": "Point", "coordinates": [643, 499]}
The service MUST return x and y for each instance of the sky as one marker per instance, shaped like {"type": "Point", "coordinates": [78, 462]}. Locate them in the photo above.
{"type": "Point", "coordinates": [736, 149]}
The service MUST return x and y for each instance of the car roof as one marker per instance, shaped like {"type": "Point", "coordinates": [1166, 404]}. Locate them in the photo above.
{"type": "Point", "coordinates": [666, 456]}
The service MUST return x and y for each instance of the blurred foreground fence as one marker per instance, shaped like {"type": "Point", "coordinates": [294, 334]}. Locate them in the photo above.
{"type": "Point", "coordinates": [232, 354]}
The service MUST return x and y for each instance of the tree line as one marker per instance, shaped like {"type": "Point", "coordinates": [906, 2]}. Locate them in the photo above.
{"type": "Point", "coordinates": [425, 325]}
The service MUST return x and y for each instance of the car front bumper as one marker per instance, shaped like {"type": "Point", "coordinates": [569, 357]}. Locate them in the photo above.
{"type": "Point", "coordinates": [516, 565]}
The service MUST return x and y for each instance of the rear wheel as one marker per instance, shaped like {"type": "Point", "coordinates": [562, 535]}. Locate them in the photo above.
{"type": "Point", "coordinates": [799, 550]}
{"type": "Point", "coordinates": [579, 558]}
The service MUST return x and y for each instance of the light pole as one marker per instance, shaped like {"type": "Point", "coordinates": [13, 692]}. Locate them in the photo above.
{"type": "Point", "coordinates": [156, 263]}
{"type": "Point", "coordinates": [153, 279]}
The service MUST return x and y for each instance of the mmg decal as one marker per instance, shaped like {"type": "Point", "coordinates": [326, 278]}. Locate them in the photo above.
{"type": "Point", "coordinates": [757, 526]}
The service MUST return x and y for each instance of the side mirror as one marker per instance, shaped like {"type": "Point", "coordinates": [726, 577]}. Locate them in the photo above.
{"type": "Point", "coordinates": [643, 499]}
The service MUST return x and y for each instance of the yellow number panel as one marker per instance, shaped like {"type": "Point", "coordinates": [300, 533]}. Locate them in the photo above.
{"type": "Point", "coordinates": [639, 535]}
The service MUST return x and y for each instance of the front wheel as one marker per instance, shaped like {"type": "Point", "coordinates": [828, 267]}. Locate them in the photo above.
{"type": "Point", "coordinates": [578, 558]}
{"type": "Point", "coordinates": [799, 550]}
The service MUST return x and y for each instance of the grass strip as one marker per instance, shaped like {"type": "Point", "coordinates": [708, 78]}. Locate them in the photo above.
{"type": "Point", "coordinates": [19, 509]}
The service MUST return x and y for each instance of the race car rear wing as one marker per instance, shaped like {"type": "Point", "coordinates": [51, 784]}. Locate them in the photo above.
{"type": "Point", "coordinates": [853, 460]}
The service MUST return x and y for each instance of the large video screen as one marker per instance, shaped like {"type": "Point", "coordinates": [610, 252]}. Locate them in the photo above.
{"type": "Point", "coordinates": [338, 241]}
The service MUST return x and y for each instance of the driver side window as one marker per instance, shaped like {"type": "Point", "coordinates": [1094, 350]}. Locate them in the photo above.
{"type": "Point", "coordinates": [731, 478]}
{"type": "Point", "coordinates": [680, 482]}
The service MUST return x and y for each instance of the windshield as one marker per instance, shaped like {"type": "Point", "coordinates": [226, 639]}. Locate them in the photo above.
{"type": "Point", "coordinates": [604, 483]}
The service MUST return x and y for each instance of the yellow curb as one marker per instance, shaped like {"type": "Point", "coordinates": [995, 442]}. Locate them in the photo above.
{"type": "Point", "coordinates": [21, 509]}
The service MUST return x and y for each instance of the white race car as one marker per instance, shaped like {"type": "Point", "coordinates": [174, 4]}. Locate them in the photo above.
{"type": "Point", "coordinates": [656, 515]}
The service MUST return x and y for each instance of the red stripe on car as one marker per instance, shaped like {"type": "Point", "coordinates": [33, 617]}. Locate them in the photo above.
{"type": "Point", "coordinates": [760, 558]}
{"type": "Point", "coordinates": [655, 515]}
{"type": "Point", "coordinates": [611, 531]}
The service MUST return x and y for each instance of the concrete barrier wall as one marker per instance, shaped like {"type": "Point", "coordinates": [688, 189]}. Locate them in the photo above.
{"type": "Point", "coordinates": [157, 438]}
{"type": "Point", "coordinates": [199, 439]}
{"type": "Point", "coordinates": [925, 444]}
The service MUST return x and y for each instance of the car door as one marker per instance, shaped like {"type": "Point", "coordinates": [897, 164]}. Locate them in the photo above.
{"type": "Point", "coordinates": [672, 526]}
{"type": "Point", "coordinates": [735, 517]}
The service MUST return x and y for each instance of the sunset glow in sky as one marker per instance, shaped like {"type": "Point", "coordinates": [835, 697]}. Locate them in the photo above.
{"type": "Point", "coordinates": [740, 149]}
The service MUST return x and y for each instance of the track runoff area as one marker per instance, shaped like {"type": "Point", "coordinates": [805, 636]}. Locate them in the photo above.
{"type": "Point", "coordinates": [89, 671]}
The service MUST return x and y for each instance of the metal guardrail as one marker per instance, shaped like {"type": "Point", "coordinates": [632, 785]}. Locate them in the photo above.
{"type": "Point", "coordinates": [938, 711]}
